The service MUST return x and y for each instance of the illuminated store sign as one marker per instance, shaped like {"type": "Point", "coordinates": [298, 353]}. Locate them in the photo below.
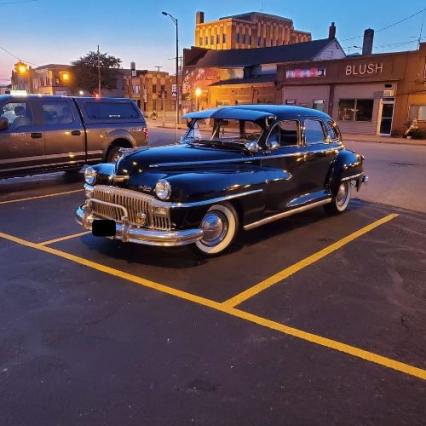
{"type": "Point", "coordinates": [305, 73]}
{"type": "Point", "coordinates": [364, 69]}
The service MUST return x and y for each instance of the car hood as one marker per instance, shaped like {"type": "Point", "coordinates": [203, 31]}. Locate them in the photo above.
{"type": "Point", "coordinates": [172, 157]}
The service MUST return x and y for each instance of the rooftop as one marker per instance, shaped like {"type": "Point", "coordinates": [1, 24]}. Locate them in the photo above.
{"type": "Point", "coordinates": [265, 55]}
{"type": "Point", "coordinates": [250, 16]}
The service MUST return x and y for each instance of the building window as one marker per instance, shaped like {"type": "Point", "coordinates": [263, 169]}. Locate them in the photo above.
{"type": "Point", "coordinates": [223, 38]}
{"type": "Point", "coordinates": [250, 40]}
{"type": "Point", "coordinates": [356, 109]}
{"type": "Point", "coordinates": [207, 40]}
{"type": "Point", "coordinates": [163, 91]}
{"type": "Point", "coordinates": [318, 104]}
{"type": "Point", "coordinates": [200, 41]}
{"type": "Point", "coordinates": [217, 38]}
{"type": "Point", "coordinates": [154, 88]}
{"type": "Point", "coordinates": [259, 41]}
{"type": "Point", "coordinates": [212, 39]}
{"type": "Point", "coordinates": [418, 112]}
{"type": "Point", "coordinates": [290, 102]}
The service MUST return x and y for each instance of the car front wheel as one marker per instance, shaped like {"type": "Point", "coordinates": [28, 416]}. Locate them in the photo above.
{"type": "Point", "coordinates": [340, 201]}
{"type": "Point", "coordinates": [220, 226]}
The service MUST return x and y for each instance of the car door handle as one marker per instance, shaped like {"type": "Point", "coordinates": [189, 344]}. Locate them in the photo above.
{"type": "Point", "coordinates": [36, 135]}
{"type": "Point", "coordinates": [76, 133]}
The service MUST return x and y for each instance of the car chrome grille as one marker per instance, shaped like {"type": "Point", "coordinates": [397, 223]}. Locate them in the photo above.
{"type": "Point", "coordinates": [138, 206]}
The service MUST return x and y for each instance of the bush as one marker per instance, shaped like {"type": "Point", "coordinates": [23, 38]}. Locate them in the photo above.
{"type": "Point", "coordinates": [418, 133]}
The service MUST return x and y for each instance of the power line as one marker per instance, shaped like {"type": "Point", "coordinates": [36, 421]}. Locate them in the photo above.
{"type": "Point", "coordinates": [390, 25]}
{"type": "Point", "coordinates": [15, 56]}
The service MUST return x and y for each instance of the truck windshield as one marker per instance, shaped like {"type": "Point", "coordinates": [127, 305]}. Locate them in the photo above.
{"type": "Point", "coordinates": [220, 131]}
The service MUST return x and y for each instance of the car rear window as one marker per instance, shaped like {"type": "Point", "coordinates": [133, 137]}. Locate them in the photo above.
{"type": "Point", "coordinates": [111, 110]}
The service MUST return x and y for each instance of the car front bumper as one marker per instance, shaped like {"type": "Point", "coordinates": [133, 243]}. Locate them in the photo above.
{"type": "Point", "coordinates": [150, 237]}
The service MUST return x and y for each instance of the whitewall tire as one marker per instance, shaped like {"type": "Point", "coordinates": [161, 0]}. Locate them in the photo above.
{"type": "Point", "coordinates": [220, 226]}
{"type": "Point", "coordinates": [340, 201]}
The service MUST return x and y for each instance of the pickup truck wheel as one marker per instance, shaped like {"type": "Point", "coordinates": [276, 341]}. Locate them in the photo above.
{"type": "Point", "coordinates": [113, 154]}
{"type": "Point", "coordinates": [220, 225]}
{"type": "Point", "coordinates": [340, 201]}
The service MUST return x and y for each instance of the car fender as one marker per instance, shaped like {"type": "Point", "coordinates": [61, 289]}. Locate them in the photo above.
{"type": "Point", "coordinates": [347, 164]}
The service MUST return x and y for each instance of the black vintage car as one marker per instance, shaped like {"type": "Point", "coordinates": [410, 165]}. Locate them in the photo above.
{"type": "Point", "coordinates": [236, 167]}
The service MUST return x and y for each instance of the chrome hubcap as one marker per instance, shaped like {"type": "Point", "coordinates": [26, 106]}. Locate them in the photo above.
{"type": "Point", "coordinates": [342, 195]}
{"type": "Point", "coordinates": [215, 227]}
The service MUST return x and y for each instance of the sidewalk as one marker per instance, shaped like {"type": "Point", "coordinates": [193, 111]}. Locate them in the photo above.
{"type": "Point", "coordinates": [349, 137]}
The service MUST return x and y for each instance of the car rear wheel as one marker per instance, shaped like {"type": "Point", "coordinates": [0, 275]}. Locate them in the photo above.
{"type": "Point", "coordinates": [340, 201]}
{"type": "Point", "coordinates": [220, 226]}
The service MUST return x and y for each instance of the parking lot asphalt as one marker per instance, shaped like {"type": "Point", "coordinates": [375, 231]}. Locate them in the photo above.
{"type": "Point", "coordinates": [310, 320]}
{"type": "Point", "coordinates": [337, 339]}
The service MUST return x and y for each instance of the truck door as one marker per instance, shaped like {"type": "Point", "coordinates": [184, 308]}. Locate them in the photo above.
{"type": "Point", "coordinates": [21, 144]}
{"type": "Point", "coordinates": [64, 140]}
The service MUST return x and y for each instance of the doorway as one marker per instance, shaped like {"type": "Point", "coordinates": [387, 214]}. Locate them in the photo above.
{"type": "Point", "coordinates": [386, 117]}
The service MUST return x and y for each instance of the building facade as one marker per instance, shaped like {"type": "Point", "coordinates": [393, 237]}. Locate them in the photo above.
{"type": "Point", "coordinates": [374, 94]}
{"type": "Point", "coordinates": [153, 91]}
{"type": "Point", "coordinates": [245, 31]}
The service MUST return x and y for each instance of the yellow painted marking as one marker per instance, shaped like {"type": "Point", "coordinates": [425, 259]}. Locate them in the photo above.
{"type": "Point", "coordinates": [255, 319]}
{"type": "Point", "coordinates": [66, 237]}
{"type": "Point", "coordinates": [38, 197]}
{"type": "Point", "coordinates": [307, 261]}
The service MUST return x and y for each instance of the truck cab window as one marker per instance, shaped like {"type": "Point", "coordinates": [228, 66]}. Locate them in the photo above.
{"type": "Point", "coordinates": [57, 112]}
{"type": "Point", "coordinates": [17, 114]}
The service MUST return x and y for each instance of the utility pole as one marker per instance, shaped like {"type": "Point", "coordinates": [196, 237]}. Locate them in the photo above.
{"type": "Point", "coordinates": [99, 74]}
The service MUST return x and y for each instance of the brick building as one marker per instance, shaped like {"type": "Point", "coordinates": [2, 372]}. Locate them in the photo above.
{"type": "Point", "coordinates": [235, 76]}
{"type": "Point", "coordinates": [245, 31]}
{"type": "Point", "coordinates": [152, 90]}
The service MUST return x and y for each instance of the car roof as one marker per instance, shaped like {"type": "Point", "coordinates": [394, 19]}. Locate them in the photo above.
{"type": "Point", "coordinates": [258, 111]}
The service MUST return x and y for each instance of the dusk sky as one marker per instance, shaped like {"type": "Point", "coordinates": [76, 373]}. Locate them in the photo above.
{"type": "Point", "coordinates": [52, 31]}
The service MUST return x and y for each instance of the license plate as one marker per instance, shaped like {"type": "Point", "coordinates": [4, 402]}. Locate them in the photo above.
{"type": "Point", "coordinates": [104, 228]}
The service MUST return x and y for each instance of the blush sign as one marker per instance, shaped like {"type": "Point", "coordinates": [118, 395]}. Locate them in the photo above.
{"type": "Point", "coordinates": [305, 73]}
{"type": "Point", "coordinates": [364, 69]}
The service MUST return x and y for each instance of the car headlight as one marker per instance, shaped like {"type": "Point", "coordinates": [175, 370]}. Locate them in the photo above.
{"type": "Point", "coordinates": [163, 190]}
{"type": "Point", "coordinates": [90, 175]}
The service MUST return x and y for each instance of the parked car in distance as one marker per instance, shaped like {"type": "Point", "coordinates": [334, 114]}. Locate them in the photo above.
{"type": "Point", "coordinates": [237, 167]}
{"type": "Point", "coordinates": [46, 133]}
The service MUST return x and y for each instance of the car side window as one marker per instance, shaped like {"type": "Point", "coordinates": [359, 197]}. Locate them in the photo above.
{"type": "Point", "coordinates": [331, 130]}
{"type": "Point", "coordinates": [314, 132]}
{"type": "Point", "coordinates": [18, 114]}
{"type": "Point", "coordinates": [285, 133]}
{"type": "Point", "coordinates": [57, 112]}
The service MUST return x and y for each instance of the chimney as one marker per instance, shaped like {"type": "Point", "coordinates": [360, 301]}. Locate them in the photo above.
{"type": "Point", "coordinates": [199, 18]}
{"type": "Point", "coordinates": [332, 32]}
{"type": "Point", "coordinates": [367, 45]}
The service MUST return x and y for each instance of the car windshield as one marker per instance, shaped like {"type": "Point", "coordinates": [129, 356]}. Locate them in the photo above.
{"type": "Point", "coordinates": [223, 132]}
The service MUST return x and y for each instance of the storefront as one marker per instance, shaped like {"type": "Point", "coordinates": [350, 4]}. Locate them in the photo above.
{"type": "Point", "coordinates": [364, 94]}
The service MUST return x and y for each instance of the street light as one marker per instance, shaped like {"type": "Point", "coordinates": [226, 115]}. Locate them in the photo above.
{"type": "Point", "coordinates": [175, 22]}
{"type": "Point", "coordinates": [198, 93]}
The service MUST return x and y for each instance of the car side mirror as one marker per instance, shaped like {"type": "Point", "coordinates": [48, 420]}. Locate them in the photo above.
{"type": "Point", "coordinates": [4, 123]}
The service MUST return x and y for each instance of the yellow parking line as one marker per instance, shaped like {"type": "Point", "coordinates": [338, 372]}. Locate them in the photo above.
{"type": "Point", "coordinates": [38, 197]}
{"type": "Point", "coordinates": [307, 261]}
{"type": "Point", "coordinates": [255, 319]}
{"type": "Point", "coordinates": [66, 237]}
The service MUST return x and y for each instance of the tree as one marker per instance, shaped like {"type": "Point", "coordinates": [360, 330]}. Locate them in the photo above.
{"type": "Point", "coordinates": [85, 72]}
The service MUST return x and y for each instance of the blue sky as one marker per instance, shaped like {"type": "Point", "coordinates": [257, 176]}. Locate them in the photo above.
{"type": "Point", "coordinates": [59, 31]}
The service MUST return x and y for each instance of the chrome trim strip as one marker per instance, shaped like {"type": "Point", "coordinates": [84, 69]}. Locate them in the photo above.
{"type": "Point", "coordinates": [214, 200]}
{"type": "Point", "coordinates": [352, 177]}
{"type": "Point", "coordinates": [287, 213]}
{"type": "Point", "coordinates": [149, 237]}
{"type": "Point", "coordinates": [245, 159]}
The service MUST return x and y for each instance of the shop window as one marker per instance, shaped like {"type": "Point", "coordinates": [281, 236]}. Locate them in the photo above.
{"type": "Point", "coordinates": [314, 132]}
{"type": "Point", "coordinates": [356, 109]}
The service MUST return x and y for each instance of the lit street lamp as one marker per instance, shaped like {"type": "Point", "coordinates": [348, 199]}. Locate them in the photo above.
{"type": "Point", "coordinates": [175, 21]}
{"type": "Point", "coordinates": [198, 93]}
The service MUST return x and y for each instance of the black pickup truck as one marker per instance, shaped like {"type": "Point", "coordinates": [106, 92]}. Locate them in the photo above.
{"type": "Point", "coordinates": [47, 133]}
